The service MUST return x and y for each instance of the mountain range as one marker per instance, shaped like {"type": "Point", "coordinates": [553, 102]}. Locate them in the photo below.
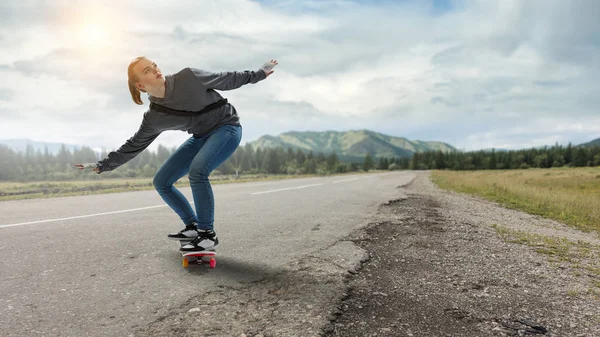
{"type": "Point", "coordinates": [350, 145]}
{"type": "Point", "coordinates": [595, 142]}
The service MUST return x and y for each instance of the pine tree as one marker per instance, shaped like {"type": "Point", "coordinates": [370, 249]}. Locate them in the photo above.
{"type": "Point", "coordinates": [271, 162]}
{"type": "Point", "coordinates": [440, 163]}
{"type": "Point", "coordinates": [300, 158]}
{"type": "Point", "coordinates": [579, 157]}
{"type": "Point", "coordinates": [332, 161]}
{"type": "Point", "coordinates": [162, 153]}
{"type": "Point", "coordinates": [368, 163]}
{"type": "Point", "coordinates": [234, 162]}
{"type": "Point", "coordinates": [568, 156]}
{"type": "Point", "coordinates": [247, 158]}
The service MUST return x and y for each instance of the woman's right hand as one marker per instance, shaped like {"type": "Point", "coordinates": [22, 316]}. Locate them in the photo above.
{"type": "Point", "coordinates": [93, 166]}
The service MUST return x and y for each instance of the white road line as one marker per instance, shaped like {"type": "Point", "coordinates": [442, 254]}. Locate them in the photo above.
{"type": "Point", "coordinates": [286, 189]}
{"type": "Point", "coordinates": [341, 181]}
{"type": "Point", "coordinates": [80, 216]}
{"type": "Point", "coordinates": [150, 207]}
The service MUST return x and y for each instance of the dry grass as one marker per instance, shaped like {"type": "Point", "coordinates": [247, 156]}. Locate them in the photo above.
{"type": "Point", "coordinates": [569, 195]}
{"type": "Point", "coordinates": [33, 190]}
{"type": "Point", "coordinates": [582, 258]}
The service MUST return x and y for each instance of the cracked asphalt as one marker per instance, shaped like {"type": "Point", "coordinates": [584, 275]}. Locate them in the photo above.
{"type": "Point", "coordinates": [438, 267]}
{"type": "Point", "coordinates": [101, 265]}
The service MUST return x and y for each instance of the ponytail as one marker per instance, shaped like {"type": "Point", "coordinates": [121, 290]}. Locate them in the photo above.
{"type": "Point", "coordinates": [132, 79]}
{"type": "Point", "coordinates": [135, 93]}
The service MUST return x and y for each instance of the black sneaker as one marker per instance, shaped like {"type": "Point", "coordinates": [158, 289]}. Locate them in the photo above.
{"type": "Point", "coordinates": [189, 233]}
{"type": "Point", "coordinates": [206, 240]}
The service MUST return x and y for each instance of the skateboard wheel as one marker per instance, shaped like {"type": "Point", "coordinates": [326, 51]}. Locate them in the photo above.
{"type": "Point", "coordinates": [185, 262]}
{"type": "Point", "coordinates": [213, 262]}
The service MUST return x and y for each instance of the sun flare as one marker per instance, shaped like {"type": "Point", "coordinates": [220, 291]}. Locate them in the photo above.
{"type": "Point", "coordinates": [92, 35]}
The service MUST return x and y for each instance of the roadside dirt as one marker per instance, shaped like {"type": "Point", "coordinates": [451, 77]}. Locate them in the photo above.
{"type": "Point", "coordinates": [430, 263]}
{"type": "Point", "coordinates": [435, 271]}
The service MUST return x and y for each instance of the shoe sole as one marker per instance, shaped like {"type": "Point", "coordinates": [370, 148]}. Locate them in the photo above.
{"type": "Point", "coordinates": [201, 250]}
{"type": "Point", "coordinates": [180, 239]}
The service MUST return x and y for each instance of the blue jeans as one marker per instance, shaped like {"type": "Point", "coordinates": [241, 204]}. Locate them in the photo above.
{"type": "Point", "coordinates": [198, 157]}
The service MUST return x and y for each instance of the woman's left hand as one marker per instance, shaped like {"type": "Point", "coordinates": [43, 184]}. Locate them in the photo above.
{"type": "Point", "coordinates": [268, 66]}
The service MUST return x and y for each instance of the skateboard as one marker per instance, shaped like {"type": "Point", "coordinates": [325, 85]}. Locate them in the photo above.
{"type": "Point", "coordinates": [199, 257]}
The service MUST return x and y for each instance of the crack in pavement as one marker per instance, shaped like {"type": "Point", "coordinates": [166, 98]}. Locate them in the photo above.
{"type": "Point", "coordinates": [301, 300]}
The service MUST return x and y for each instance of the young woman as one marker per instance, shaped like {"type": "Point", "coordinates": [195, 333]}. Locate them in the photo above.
{"type": "Point", "coordinates": [186, 101]}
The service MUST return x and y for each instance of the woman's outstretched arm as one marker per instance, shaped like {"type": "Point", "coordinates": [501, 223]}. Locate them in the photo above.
{"type": "Point", "coordinates": [132, 147]}
{"type": "Point", "coordinates": [232, 79]}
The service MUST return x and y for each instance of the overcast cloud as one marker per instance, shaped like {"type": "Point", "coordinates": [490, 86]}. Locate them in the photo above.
{"type": "Point", "coordinates": [475, 74]}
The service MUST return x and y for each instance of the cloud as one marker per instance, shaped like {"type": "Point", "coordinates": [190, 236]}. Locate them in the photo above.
{"type": "Point", "coordinates": [534, 133]}
{"type": "Point", "coordinates": [409, 68]}
{"type": "Point", "coordinates": [441, 100]}
{"type": "Point", "coordinates": [550, 84]}
{"type": "Point", "coordinates": [6, 94]}
{"type": "Point", "coordinates": [25, 67]}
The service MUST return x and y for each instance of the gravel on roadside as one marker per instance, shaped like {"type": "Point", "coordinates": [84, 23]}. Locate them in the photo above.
{"type": "Point", "coordinates": [439, 267]}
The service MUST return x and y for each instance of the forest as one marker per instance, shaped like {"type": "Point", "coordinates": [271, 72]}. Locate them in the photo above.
{"type": "Point", "coordinates": [32, 165]}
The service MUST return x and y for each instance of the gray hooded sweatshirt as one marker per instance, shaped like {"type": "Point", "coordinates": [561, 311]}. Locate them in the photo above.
{"type": "Point", "coordinates": [191, 90]}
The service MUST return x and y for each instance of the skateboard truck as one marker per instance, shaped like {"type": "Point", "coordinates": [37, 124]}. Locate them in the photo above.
{"type": "Point", "coordinates": [199, 257]}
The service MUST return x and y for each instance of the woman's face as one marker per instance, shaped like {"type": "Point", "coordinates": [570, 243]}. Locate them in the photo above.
{"type": "Point", "coordinates": [149, 74]}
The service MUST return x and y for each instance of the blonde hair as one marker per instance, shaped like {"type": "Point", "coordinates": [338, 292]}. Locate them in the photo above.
{"type": "Point", "coordinates": [132, 79]}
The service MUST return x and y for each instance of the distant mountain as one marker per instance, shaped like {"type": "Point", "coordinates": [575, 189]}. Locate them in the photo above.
{"type": "Point", "coordinates": [350, 145]}
{"type": "Point", "coordinates": [20, 145]}
{"type": "Point", "coordinates": [595, 142]}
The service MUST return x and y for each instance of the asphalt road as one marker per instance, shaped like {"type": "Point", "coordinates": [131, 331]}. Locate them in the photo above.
{"type": "Point", "coordinates": [101, 265]}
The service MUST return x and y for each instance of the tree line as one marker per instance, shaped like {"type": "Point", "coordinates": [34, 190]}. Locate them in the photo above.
{"type": "Point", "coordinates": [546, 157]}
{"type": "Point", "coordinates": [33, 165]}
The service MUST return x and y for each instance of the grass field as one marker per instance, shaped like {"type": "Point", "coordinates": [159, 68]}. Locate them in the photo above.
{"type": "Point", "coordinates": [569, 195]}
{"type": "Point", "coordinates": [31, 190]}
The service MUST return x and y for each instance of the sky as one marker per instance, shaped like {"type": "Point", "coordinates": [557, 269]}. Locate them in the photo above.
{"type": "Point", "coordinates": [475, 74]}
